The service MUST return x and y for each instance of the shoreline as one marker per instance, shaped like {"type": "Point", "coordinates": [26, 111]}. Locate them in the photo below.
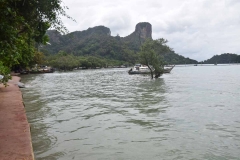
{"type": "Point", "coordinates": [15, 135]}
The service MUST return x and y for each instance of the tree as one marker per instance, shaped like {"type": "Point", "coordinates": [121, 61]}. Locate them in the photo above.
{"type": "Point", "coordinates": [63, 61]}
{"type": "Point", "coordinates": [38, 58]}
{"type": "Point", "coordinates": [150, 55]}
{"type": "Point", "coordinates": [23, 24]}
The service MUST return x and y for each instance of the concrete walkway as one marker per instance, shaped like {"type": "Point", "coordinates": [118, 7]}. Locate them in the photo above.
{"type": "Point", "coordinates": [15, 136]}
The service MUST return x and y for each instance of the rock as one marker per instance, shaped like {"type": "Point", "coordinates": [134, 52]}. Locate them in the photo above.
{"type": "Point", "coordinates": [143, 30]}
{"type": "Point", "coordinates": [21, 85]}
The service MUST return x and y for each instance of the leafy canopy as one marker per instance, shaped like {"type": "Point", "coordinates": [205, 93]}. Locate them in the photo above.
{"type": "Point", "coordinates": [23, 24]}
{"type": "Point", "coordinates": [151, 55]}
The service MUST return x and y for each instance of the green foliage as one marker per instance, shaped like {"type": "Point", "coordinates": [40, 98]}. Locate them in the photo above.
{"type": "Point", "coordinates": [223, 58]}
{"type": "Point", "coordinates": [150, 55]}
{"type": "Point", "coordinates": [173, 58]}
{"type": "Point", "coordinates": [38, 58]}
{"type": "Point", "coordinates": [23, 24]}
{"type": "Point", "coordinates": [97, 42]}
{"type": "Point", "coordinates": [92, 42]}
{"type": "Point", "coordinates": [64, 61]}
{"type": "Point", "coordinates": [5, 72]}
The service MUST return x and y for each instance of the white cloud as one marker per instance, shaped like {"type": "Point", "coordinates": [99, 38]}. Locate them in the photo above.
{"type": "Point", "coordinates": [196, 29]}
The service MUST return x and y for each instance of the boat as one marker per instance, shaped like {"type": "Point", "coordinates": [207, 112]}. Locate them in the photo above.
{"type": "Point", "coordinates": [41, 69]}
{"type": "Point", "coordinates": [38, 70]}
{"type": "Point", "coordinates": [168, 69]}
{"type": "Point", "coordinates": [139, 69]}
{"type": "Point", "coordinates": [143, 69]}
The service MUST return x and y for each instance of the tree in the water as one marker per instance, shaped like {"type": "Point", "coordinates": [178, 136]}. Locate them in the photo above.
{"type": "Point", "coordinates": [150, 55]}
{"type": "Point", "coordinates": [23, 27]}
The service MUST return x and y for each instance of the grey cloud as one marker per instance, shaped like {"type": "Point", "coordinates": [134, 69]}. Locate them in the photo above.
{"type": "Point", "coordinates": [196, 29]}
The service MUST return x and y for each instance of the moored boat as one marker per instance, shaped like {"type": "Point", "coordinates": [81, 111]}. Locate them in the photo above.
{"type": "Point", "coordinates": [143, 69]}
{"type": "Point", "coordinates": [38, 70]}
{"type": "Point", "coordinates": [139, 69]}
{"type": "Point", "coordinates": [168, 69]}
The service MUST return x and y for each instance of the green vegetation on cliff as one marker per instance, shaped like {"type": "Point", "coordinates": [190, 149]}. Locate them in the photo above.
{"type": "Point", "coordinates": [98, 42]}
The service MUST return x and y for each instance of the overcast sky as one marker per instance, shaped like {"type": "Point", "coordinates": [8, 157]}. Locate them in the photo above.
{"type": "Point", "coordinates": [197, 29]}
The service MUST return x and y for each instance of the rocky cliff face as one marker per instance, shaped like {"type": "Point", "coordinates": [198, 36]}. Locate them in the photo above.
{"type": "Point", "coordinates": [56, 37]}
{"type": "Point", "coordinates": [73, 40]}
{"type": "Point", "coordinates": [143, 30]}
{"type": "Point", "coordinates": [98, 42]}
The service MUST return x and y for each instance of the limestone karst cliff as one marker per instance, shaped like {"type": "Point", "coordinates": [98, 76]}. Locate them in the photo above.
{"type": "Point", "coordinates": [143, 30]}
{"type": "Point", "coordinates": [98, 42]}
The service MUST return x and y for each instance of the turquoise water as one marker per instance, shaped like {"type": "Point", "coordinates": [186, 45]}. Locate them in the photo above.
{"type": "Point", "coordinates": [192, 113]}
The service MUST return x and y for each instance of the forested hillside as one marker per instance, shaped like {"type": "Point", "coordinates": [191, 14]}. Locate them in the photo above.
{"type": "Point", "coordinates": [223, 58]}
{"type": "Point", "coordinates": [98, 42]}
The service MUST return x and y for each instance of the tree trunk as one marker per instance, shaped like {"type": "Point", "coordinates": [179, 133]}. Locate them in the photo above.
{"type": "Point", "coordinates": [157, 75]}
{"type": "Point", "coordinates": [150, 71]}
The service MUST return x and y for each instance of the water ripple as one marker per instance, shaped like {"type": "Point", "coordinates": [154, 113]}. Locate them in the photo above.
{"type": "Point", "coordinates": [107, 114]}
